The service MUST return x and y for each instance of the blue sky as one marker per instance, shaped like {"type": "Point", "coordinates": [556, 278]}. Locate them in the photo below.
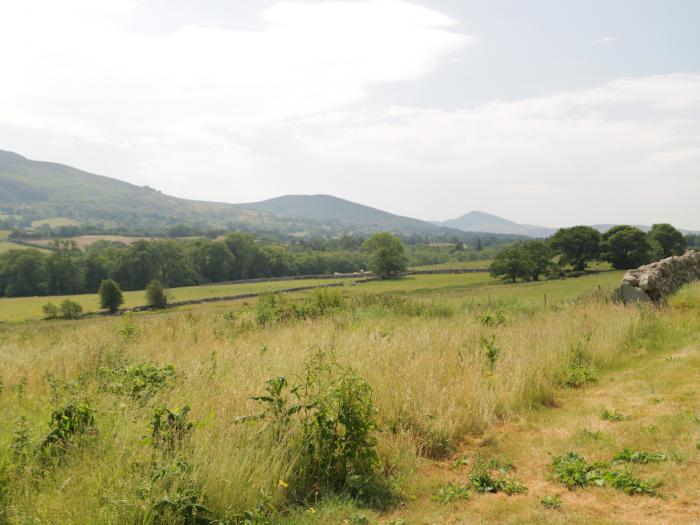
{"type": "Point", "coordinates": [545, 112]}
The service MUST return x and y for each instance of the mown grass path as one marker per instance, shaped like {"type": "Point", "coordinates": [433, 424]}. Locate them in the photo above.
{"type": "Point", "coordinates": [659, 394]}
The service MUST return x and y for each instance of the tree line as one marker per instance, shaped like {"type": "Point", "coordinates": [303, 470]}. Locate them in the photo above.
{"type": "Point", "coordinates": [622, 246]}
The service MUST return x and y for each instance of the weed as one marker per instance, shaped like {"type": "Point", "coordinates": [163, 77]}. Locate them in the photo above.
{"type": "Point", "coordinates": [612, 415]}
{"type": "Point", "coordinates": [551, 502]}
{"type": "Point", "coordinates": [138, 380]}
{"type": "Point", "coordinates": [128, 329]}
{"type": "Point", "coordinates": [639, 456]}
{"type": "Point", "coordinates": [169, 430]}
{"type": "Point", "coordinates": [629, 483]}
{"type": "Point", "coordinates": [573, 471]}
{"type": "Point", "coordinates": [450, 492]}
{"type": "Point", "coordinates": [491, 318]}
{"type": "Point", "coordinates": [491, 476]}
{"type": "Point", "coordinates": [491, 351]}
{"type": "Point", "coordinates": [72, 420]}
{"type": "Point", "coordinates": [21, 445]}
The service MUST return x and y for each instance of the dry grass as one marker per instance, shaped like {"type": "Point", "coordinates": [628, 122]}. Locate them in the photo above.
{"type": "Point", "coordinates": [432, 387]}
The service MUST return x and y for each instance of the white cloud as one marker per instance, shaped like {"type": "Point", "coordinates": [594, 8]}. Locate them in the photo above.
{"type": "Point", "coordinates": [69, 69]}
{"type": "Point", "coordinates": [612, 141]}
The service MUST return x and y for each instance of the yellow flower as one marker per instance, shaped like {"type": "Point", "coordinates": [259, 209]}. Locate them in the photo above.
{"type": "Point", "coordinates": [282, 484]}
{"type": "Point", "coordinates": [311, 510]}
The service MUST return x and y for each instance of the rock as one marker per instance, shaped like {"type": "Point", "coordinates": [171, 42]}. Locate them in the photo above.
{"type": "Point", "coordinates": [632, 294]}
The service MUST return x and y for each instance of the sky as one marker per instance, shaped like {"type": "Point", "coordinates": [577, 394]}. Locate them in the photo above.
{"type": "Point", "coordinates": [551, 112]}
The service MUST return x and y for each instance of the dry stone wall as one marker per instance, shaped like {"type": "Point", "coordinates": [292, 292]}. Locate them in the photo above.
{"type": "Point", "coordinates": [653, 282]}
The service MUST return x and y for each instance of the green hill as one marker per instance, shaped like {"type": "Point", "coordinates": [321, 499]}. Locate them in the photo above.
{"type": "Point", "coordinates": [45, 190]}
{"type": "Point", "coordinates": [342, 213]}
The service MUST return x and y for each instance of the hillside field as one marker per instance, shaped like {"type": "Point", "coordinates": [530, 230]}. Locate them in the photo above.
{"type": "Point", "coordinates": [452, 383]}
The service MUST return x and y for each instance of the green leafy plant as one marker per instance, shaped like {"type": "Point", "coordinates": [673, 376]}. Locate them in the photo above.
{"type": "Point", "coordinates": [71, 310]}
{"type": "Point", "coordinates": [50, 311]}
{"type": "Point", "coordinates": [492, 475]}
{"type": "Point", "coordinates": [551, 502]}
{"type": "Point", "coordinates": [450, 492]}
{"type": "Point", "coordinates": [169, 429]}
{"type": "Point", "coordinates": [490, 350]}
{"type": "Point", "coordinates": [611, 415]}
{"type": "Point", "coordinates": [156, 294]}
{"type": "Point", "coordinates": [638, 456]}
{"type": "Point", "coordinates": [66, 423]}
{"type": "Point", "coordinates": [21, 445]}
{"type": "Point", "coordinates": [138, 380]}
{"type": "Point", "coordinates": [492, 318]}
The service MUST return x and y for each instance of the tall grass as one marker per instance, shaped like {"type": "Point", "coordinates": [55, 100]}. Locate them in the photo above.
{"type": "Point", "coordinates": [432, 383]}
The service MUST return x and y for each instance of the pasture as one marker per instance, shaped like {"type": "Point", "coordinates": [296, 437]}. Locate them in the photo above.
{"type": "Point", "coordinates": [444, 373]}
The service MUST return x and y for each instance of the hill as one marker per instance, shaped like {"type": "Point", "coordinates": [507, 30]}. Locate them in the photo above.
{"type": "Point", "coordinates": [43, 190]}
{"type": "Point", "coordinates": [342, 213]}
{"type": "Point", "coordinates": [479, 221]}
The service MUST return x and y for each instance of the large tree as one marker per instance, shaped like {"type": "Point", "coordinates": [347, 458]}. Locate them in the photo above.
{"type": "Point", "coordinates": [669, 238]}
{"type": "Point", "coordinates": [577, 245]}
{"type": "Point", "coordinates": [387, 254]}
{"type": "Point", "coordinates": [625, 247]}
{"type": "Point", "coordinates": [513, 263]}
{"type": "Point", "coordinates": [539, 256]}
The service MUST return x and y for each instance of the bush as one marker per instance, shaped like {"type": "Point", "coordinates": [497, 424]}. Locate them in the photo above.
{"type": "Point", "coordinates": [50, 311]}
{"type": "Point", "coordinates": [71, 309]}
{"type": "Point", "coordinates": [110, 295]}
{"type": "Point", "coordinates": [333, 413]}
{"type": "Point", "coordinates": [72, 420]}
{"type": "Point", "coordinates": [156, 295]}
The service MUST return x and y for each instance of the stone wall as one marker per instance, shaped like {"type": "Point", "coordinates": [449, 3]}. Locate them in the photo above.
{"type": "Point", "coordinates": [653, 282]}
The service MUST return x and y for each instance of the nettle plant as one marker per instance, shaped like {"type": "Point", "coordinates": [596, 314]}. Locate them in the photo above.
{"type": "Point", "coordinates": [331, 411]}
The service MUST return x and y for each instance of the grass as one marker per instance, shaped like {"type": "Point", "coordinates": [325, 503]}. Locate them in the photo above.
{"type": "Point", "coordinates": [55, 222]}
{"type": "Point", "coordinates": [455, 265]}
{"type": "Point", "coordinates": [6, 246]}
{"type": "Point", "coordinates": [435, 394]}
{"type": "Point", "coordinates": [470, 287]}
{"type": "Point", "coordinates": [26, 308]}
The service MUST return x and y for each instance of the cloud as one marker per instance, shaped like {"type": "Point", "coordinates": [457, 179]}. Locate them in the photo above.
{"type": "Point", "coordinates": [617, 139]}
{"type": "Point", "coordinates": [606, 40]}
{"type": "Point", "coordinates": [75, 72]}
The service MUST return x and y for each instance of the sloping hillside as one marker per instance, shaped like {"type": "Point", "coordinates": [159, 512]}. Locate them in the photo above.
{"type": "Point", "coordinates": [330, 209]}
{"type": "Point", "coordinates": [478, 221]}
{"type": "Point", "coordinates": [45, 189]}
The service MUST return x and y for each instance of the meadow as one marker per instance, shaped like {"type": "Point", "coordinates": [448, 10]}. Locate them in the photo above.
{"type": "Point", "coordinates": [389, 402]}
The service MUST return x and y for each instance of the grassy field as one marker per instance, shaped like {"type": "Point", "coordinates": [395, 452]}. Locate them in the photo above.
{"type": "Point", "coordinates": [55, 222]}
{"type": "Point", "coordinates": [458, 265]}
{"type": "Point", "coordinates": [83, 241]}
{"type": "Point", "coordinates": [410, 397]}
{"type": "Point", "coordinates": [26, 308]}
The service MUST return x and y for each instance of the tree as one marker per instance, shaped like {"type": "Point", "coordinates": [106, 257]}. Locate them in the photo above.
{"type": "Point", "coordinates": [625, 247]}
{"type": "Point", "coordinates": [577, 245]}
{"type": "Point", "coordinates": [156, 295]}
{"type": "Point", "coordinates": [214, 261]}
{"type": "Point", "coordinates": [388, 257]}
{"type": "Point", "coordinates": [538, 255]}
{"type": "Point", "coordinates": [50, 311]}
{"type": "Point", "coordinates": [671, 240]}
{"type": "Point", "coordinates": [513, 263]}
{"type": "Point", "coordinates": [110, 295]}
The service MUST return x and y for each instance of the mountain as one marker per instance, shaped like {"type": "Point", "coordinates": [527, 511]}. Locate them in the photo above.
{"type": "Point", "coordinates": [43, 190]}
{"type": "Point", "coordinates": [478, 221]}
{"type": "Point", "coordinates": [342, 213]}
{"type": "Point", "coordinates": [32, 190]}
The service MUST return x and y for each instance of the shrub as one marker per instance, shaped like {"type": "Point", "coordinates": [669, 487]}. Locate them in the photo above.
{"type": "Point", "coordinates": [332, 411]}
{"type": "Point", "coordinates": [156, 295]}
{"type": "Point", "coordinates": [50, 311]}
{"type": "Point", "coordinates": [170, 430]}
{"type": "Point", "coordinates": [72, 420]}
{"type": "Point", "coordinates": [138, 380]}
{"type": "Point", "coordinates": [639, 456]}
{"type": "Point", "coordinates": [71, 309]}
{"type": "Point", "coordinates": [110, 295]}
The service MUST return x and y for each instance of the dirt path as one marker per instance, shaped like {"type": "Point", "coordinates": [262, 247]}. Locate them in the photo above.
{"type": "Point", "coordinates": [659, 395]}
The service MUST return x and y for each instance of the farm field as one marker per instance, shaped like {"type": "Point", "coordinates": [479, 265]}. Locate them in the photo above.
{"type": "Point", "coordinates": [455, 265]}
{"type": "Point", "coordinates": [26, 308]}
{"type": "Point", "coordinates": [83, 241]}
{"type": "Point", "coordinates": [462, 370]}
